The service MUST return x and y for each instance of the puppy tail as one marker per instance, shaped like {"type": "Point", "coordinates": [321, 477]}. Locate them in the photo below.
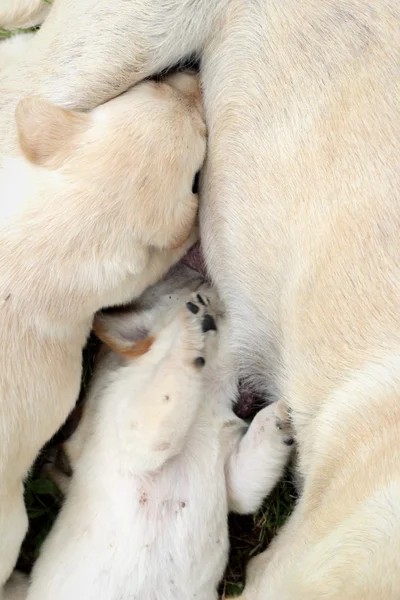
{"type": "Point", "coordinates": [22, 14]}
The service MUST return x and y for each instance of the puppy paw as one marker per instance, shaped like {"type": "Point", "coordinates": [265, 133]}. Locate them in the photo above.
{"type": "Point", "coordinates": [201, 325]}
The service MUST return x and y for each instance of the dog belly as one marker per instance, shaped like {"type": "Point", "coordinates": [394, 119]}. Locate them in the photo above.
{"type": "Point", "coordinates": [243, 244]}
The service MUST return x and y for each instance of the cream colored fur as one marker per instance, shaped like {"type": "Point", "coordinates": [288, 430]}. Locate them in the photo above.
{"type": "Point", "coordinates": [97, 208]}
{"type": "Point", "coordinates": [158, 458]}
{"type": "Point", "coordinates": [14, 48]}
{"type": "Point", "coordinates": [23, 13]}
{"type": "Point", "coordinates": [300, 225]}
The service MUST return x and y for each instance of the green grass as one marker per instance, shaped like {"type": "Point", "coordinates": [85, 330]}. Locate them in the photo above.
{"type": "Point", "coordinates": [5, 33]}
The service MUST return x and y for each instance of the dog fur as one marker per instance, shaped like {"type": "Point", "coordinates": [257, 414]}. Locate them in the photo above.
{"type": "Point", "coordinates": [23, 14]}
{"type": "Point", "coordinates": [299, 222]}
{"type": "Point", "coordinates": [97, 208]}
{"type": "Point", "coordinates": [158, 458]}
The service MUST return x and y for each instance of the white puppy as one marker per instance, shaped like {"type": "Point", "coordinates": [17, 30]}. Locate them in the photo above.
{"type": "Point", "coordinates": [98, 208]}
{"type": "Point", "coordinates": [158, 459]}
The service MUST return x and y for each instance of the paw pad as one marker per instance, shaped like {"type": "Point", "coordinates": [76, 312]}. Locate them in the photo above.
{"type": "Point", "coordinates": [199, 361]}
{"type": "Point", "coordinates": [208, 323]}
{"type": "Point", "coordinates": [192, 307]}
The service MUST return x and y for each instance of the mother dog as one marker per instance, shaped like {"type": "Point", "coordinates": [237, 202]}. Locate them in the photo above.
{"type": "Point", "coordinates": [300, 224]}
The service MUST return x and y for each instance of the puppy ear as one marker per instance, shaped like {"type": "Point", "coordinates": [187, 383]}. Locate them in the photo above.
{"type": "Point", "coordinates": [125, 334]}
{"type": "Point", "coordinates": [47, 132]}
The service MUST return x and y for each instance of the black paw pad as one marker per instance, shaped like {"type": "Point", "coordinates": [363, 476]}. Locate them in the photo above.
{"type": "Point", "coordinates": [208, 324]}
{"type": "Point", "coordinates": [192, 307]}
{"type": "Point", "coordinates": [200, 299]}
{"type": "Point", "coordinates": [199, 361]}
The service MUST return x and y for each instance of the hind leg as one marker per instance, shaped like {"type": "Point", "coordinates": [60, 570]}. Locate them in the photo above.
{"type": "Point", "coordinates": [259, 459]}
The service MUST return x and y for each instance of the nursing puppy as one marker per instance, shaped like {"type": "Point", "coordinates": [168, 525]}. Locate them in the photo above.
{"type": "Point", "coordinates": [158, 458]}
{"type": "Point", "coordinates": [97, 209]}
{"type": "Point", "coordinates": [300, 221]}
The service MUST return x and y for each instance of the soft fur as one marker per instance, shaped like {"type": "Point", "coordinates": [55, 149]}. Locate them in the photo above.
{"type": "Point", "coordinates": [97, 208]}
{"type": "Point", "coordinates": [158, 458]}
{"type": "Point", "coordinates": [300, 226]}
{"type": "Point", "coordinates": [23, 13]}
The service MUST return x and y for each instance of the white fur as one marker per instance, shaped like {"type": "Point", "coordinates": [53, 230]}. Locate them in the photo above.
{"type": "Point", "coordinates": [23, 13]}
{"type": "Point", "coordinates": [157, 460]}
{"type": "Point", "coordinates": [96, 208]}
{"type": "Point", "coordinates": [300, 222]}
{"type": "Point", "coordinates": [13, 48]}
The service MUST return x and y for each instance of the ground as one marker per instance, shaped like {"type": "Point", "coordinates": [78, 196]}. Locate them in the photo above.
{"type": "Point", "coordinates": [249, 534]}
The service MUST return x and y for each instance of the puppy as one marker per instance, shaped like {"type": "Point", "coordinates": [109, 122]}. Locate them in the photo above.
{"type": "Point", "coordinates": [158, 458]}
{"type": "Point", "coordinates": [299, 222]}
{"type": "Point", "coordinates": [97, 209]}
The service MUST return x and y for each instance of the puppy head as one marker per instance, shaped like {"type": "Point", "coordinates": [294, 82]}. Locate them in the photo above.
{"type": "Point", "coordinates": [130, 332]}
{"type": "Point", "coordinates": [138, 154]}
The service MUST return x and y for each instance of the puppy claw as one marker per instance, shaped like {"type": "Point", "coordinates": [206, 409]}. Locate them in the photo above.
{"type": "Point", "coordinates": [208, 323]}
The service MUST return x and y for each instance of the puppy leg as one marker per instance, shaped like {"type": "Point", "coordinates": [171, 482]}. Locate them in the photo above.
{"type": "Point", "coordinates": [13, 527]}
{"type": "Point", "coordinates": [165, 414]}
{"type": "Point", "coordinates": [259, 459]}
{"type": "Point", "coordinates": [148, 35]}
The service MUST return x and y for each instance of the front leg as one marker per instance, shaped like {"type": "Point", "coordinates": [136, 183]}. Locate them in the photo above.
{"type": "Point", "coordinates": [116, 45]}
{"type": "Point", "coordinates": [169, 409]}
{"type": "Point", "coordinates": [258, 460]}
